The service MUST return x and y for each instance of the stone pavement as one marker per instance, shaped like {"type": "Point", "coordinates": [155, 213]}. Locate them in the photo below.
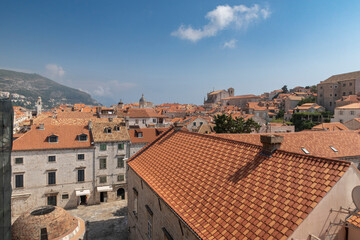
{"type": "Point", "coordinates": [105, 221]}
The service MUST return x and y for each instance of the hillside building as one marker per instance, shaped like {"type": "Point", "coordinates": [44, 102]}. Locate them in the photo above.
{"type": "Point", "coordinates": [337, 86]}
{"type": "Point", "coordinates": [215, 97]}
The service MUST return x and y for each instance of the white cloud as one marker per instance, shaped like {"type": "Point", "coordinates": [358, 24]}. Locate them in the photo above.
{"type": "Point", "coordinates": [220, 18]}
{"type": "Point", "coordinates": [112, 88]}
{"type": "Point", "coordinates": [54, 71]}
{"type": "Point", "coordinates": [230, 44]}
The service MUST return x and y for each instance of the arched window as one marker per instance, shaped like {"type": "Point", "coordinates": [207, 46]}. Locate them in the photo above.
{"type": "Point", "coordinates": [121, 193]}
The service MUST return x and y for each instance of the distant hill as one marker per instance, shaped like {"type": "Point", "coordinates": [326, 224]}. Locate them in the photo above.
{"type": "Point", "coordinates": [25, 88]}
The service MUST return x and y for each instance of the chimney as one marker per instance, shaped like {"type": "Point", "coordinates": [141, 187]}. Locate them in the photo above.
{"type": "Point", "coordinates": [270, 143]}
{"type": "Point", "coordinates": [178, 126]}
{"type": "Point", "coordinates": [41, 126]}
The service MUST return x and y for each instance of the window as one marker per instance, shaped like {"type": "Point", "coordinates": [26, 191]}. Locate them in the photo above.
{"type": "Point", "coordinates": [305, 150]}
{"type": "Point", "coordinates": [81, 175]}
{"type": "Point", "coordinates": [150, 220]}
{"type": "Point", "coordinates": [334, 149]}
{"type": "Point", "coordinates": [201, 123]}
{"type": "Point", "coordinates": [51, 178]}
{"type": "Point", "coordinates": [341, 112]}
{"type": "Point", "coordinates": [194, 123]}
{"type": "Point", "coordinates": [330, 103]}
{"type": "Point", "coordinates": [107, 130]}
{"type": "Point", "coordinates": [51, 200]}
{"type": "Point", "coordinates": [103, 179]}
{"type": "Point", "coordinates": [19, 160]}
{"type": "Point", "coordinates": [144, 121]}
{"type": "Point", "coordinates": [344, 84]}
{"type": "Point", "coordinates": [82, 137]}
{"type": "Point", "coordinates": [321, 87]}
{"type": "Point", "coordinates": [336, 86]}
{"type": "Point", "coordinates": [102, 163]}
{"type": "Point", "coordinates": [81, 156]}
{"type": "Point", "coordinates": [121, 146]}
{"type": "Point", "coordinates": [167, 235]}
{"type": "Point", "coordinates": [53, 139]}
{"type": "Point", "coordinates": [43, 234]}
{"type": "Point", "coordinates": [335, 95]}
{"type": "Point", "coordinates": [102, 146]}
{"type": "Point", "coordinates": [120, 178]}
{"type": "Point", "coordinates": [135, 202]}
{"type": "Point", "coordinates": [352, 112]}
{"type": "Point", "coordinates": [350, 84]}
{"type": "Point", "coordinates": [330, 86]}
{"type": "Point", "coordinates": [19, 180]}
{"type": "Point", "coordinates": [52, 158]}
{"type": "Point", "coordinates": [330, 94]}
{"type": "Point", "coordinates": [350, 93]}
{"type": "Point", "coordinates": [65, 196]}
{"type": "Point", "coordinates": [120, 163]}
{"type": "Point", "coordinates": [136, 121]}
{"type": "Point", "coordinates": [139, 134]}
{"type": "Point", "coordinates": [116, 128]}
{"type": "Point", "coordinates": [344, 93]}
{"type": "Point", "coordinates": [154, 120]}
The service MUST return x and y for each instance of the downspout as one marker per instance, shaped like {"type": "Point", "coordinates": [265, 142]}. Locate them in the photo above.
{"type": "Point", "coordinates": [346, 231]}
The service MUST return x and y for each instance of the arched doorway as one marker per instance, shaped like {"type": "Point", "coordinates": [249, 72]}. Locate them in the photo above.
{"type": "Point", "coordinates": [121, 193]}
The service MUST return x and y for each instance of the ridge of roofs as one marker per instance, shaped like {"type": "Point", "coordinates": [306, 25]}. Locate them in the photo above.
{"type": "Point", "coordinates": [99, 134]}
{"type": "Point", "coordinates": [231, 189]}
{"type": "Point", "coordinates": [350, 106]}
{"type": "Point", "coordinates": [148, 134]}
{"type": "Point", "coordinates": [143, 113]}
{"type": "Point", "coordinates": [333, 126]}
{"type": "Point", "coordinates": [342, 77]}
{"type": "Point", "coordinates": [37, 139]}
{"type": "Point", "coordinates": [316, 142]}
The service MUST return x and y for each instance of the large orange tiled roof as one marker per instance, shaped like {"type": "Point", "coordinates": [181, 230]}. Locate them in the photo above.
{"type": "Point", "coordinates": [148, 134]}
{"type": "Point", "coordinates": [224, 189]}
{"type": "Point", "coordinates": [316, 142]}
{"type": "Point", "coordinates": [37, 139]}
{"type": "Point", "coordinates": [334, 126]}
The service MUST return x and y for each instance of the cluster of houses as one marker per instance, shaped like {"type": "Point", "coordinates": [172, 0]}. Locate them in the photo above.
{"type": "Point", "coordinates": [184, 181]}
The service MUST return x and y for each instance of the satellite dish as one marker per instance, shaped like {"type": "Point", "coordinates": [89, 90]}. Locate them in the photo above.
{"type": "Point", "coordinates": [356, 196]}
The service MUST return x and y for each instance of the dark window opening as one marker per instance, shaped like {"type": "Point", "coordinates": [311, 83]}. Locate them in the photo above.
{"type": "Point", "coordinates": [121, 193]}
{"type": "Point", "coordinates": [19, 160]}
{"type": "Point", "coordinates": [43, 234]}
{"type": "Point", "coordinates": [52, 158]}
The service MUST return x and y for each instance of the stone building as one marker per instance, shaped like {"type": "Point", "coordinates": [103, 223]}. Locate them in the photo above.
{"type": "Point", "coordinates": [112, 149]}
{"type": "Point", "coordinates": [145, 104]}
{"type": "Point", "coordinates": [240, 101]}
{"type": "Point", "coordinates": [193, 186]}
{"type": "Point", "coordinates": [52, 165]}
{"type": "Point", "coordinates": [215, 97]}
{"type": "Point", "coordinates": [141, 118]}
{"type": "Point", "coordinates": [346, 113]}
{"type": "Point", "coordinates": [336, 87]}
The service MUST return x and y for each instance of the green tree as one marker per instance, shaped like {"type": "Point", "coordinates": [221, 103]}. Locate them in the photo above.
{"type": "Point", "coordinates": [227, 124]}
{"type": "Point", "coordinates": [306, 100]}
{"type": "Point", "coordinates": [285, 89]}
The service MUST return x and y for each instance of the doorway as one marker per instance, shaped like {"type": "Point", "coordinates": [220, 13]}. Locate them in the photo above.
{"type": "Point", "coordinates": [103, 196]}
{"type": "Point", "coordinates": [83, 200]}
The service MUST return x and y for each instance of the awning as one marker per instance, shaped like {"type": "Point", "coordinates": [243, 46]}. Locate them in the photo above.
{"type": "Point", "coordinates": [82, 192]}
{"type": "Point", "coordinates": [104, 189]}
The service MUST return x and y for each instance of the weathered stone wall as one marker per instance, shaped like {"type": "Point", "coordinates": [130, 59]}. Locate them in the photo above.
{"type": "Point", "coordinates": [162, 217]}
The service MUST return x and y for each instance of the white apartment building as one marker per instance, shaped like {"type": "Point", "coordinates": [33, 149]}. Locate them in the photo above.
{"type": "Point", "coordinates": [345, 113]}
{"type": "Point", "coordinates": [52, 165]}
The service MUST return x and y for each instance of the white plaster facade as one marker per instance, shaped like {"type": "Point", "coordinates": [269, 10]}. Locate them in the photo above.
{"type": "Point", "coordinates": [35, 169]}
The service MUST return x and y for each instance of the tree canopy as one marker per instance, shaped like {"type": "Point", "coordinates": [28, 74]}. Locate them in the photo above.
{"type": "Point", "coordinates": [227, 124]}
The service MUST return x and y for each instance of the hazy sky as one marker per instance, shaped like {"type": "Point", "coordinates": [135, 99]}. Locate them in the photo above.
{"type": "Point", "coordinates": [177, 51]}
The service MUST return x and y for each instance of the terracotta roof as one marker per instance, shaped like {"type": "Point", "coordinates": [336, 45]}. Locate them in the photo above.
{"type": "Point", "coordinates": [350, 106]}
{"type": "Point", "coordinates": [149, 134]}
{"type": "Point", "coordinates": [316, 142]}
{"type": "Point", "coordinates": [342, 77]}
{"type": "Point", "coordinates": [143, 113]}
{"type": "Point", "coordinates": [37, 139]}
{"type": "Point", "coordinates": [242, 96]}
{"type": "Point", "coordinates": [334, 126]}
{"type": "Point", "coordinates": [354, 220]}
{"type": "Point", "coordinates": [224, 189]}
{"type": "Point", "coordinates": [117, 132]}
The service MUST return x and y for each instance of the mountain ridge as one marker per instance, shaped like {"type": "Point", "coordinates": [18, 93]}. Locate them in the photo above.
{"type": "Point", "coordinates": [25, 88]}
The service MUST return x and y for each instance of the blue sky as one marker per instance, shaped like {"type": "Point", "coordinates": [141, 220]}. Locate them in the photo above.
{"type": "Point", "coordinates": [177, 51]}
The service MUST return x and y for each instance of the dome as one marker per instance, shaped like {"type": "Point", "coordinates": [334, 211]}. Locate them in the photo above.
{"type": "Point", "coordinates": [142, 99]}
{"type": "Point", "coordinates": [52, 221]}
